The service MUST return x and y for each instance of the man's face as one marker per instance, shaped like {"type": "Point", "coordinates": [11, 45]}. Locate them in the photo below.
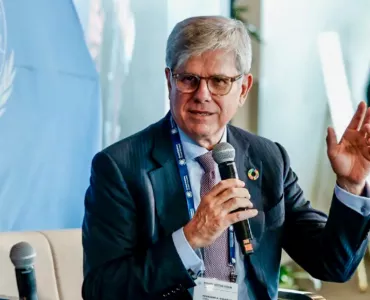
{"type": "Point", "coordinates": [202, 114]}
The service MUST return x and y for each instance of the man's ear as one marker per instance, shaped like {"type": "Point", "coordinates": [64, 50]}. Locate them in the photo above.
{"type": "Point", "coordinates": [168, 78]}
{"type": "Point", "coordinates": [246, 86]}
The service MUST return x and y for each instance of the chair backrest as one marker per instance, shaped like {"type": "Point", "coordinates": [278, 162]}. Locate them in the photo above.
{"type": "Point", "coordinates": [66, 247]}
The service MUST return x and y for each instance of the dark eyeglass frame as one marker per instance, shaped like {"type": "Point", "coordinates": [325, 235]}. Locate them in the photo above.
{"type": "Point", "coordinates": [199, 78]}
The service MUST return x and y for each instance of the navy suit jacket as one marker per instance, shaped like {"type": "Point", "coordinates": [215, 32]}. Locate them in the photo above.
{"type": "Point", "coordinates": [136, 201]}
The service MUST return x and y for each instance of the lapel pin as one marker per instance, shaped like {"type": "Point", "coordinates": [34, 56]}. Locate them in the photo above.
{"type": "Point", "coordinates": [253, 174]}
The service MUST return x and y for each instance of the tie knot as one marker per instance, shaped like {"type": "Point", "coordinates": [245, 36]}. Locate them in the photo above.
{"type": "Point", "coordinates": [206, 161]}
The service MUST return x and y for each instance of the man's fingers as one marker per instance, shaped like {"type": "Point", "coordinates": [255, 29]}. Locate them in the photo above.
{"type": "Point", "coordinates": [366, 123]}
{"type": "Point", "coordinates": [331, 141]}
{"type": "Point", "coordinates": [358, 117]}
{"type": "Point", "coordinates": [224, 185]}
{"type": "Point", "coordinates": [233, 193]}
{"type": "Point", "coordinates": [236, 203]}
{"type": "Point", "coordinates": [241, 215]}
{"type": "Point", "coordinates": [365, 130]}
{"type": "Point", "coordinates": [367, 116]}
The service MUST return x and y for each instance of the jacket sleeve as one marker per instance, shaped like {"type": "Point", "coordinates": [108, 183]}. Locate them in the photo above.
{"type": "Point", "coordinates": [329, 248]}
{"type": "Point", "coordinates": [114, 266]}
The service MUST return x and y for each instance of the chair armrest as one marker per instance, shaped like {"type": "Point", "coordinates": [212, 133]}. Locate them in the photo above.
{"type": "Point", "coordinates": [285, 294]}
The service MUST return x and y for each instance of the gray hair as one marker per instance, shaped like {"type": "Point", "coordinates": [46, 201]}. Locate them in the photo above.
{"type": "Point", "coordinates": [196, 35]}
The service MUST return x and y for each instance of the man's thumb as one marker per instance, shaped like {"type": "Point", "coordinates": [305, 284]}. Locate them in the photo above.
{"type": "Point", "coordinates": [331, 140]}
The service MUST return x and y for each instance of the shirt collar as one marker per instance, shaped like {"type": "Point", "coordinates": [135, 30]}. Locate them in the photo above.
{"type": "Point", "coordinates": [191, 148]}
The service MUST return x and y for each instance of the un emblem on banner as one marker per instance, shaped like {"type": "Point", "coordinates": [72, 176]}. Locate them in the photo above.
{"type": "Point", "coordinates": [7, 71]}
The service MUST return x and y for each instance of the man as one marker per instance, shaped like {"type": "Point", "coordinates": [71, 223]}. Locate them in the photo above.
{"type": "Point", "coordinates": [138, 237]}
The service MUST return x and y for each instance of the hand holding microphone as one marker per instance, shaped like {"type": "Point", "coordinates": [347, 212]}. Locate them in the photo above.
{"type": "Point", "coordinates": [224, 155]}
{"type": "Point", "coordinates": [226, 204]}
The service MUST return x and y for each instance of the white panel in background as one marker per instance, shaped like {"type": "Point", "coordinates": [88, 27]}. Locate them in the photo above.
{"type": "Point", "coordinates": [336, 84]}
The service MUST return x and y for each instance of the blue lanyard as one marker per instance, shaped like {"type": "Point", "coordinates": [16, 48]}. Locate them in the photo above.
{"type": "Point", "coordinates": [184, 174]}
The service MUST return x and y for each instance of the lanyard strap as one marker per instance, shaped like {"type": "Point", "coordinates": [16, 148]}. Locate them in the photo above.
{"type": "Point", "coordinates": [184, 174]}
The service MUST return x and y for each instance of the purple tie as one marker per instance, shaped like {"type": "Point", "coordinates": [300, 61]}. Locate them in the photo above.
{"type": "Point", "coordinates": [216, 255]}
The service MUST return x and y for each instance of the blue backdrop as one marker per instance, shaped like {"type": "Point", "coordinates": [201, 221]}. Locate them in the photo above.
{"type": "Point", "coordinates": [50, 115]}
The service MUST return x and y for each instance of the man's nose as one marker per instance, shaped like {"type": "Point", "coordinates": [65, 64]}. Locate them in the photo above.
{"type": "Point", "coordinates": [202, 94]}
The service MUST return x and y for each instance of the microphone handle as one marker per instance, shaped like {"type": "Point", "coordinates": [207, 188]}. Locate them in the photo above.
{"type": "Point", "coordinates": [26, 282]}
{"type": "Point", "coordinates": [242, 229]}
{"type": "Point", "coordinates": [228, 170]}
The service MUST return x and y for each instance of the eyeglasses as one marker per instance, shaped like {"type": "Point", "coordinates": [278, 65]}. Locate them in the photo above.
{"type": "Point", "coordinates": [218, 85]}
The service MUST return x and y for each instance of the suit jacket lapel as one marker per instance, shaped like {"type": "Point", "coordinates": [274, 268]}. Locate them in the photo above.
{"type": "Point", "coordinates": [168, 192]}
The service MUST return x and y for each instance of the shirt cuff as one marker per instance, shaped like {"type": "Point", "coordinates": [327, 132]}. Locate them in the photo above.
{"type": "Point", "coordinates": [188, 256]}
{"type": "Point", "coordinates": [359, 204]}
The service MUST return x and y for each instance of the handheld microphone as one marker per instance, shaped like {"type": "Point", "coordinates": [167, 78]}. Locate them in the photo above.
{"type": "Point", "coordinates": [23, 257]}
{"type": "Point", "coordinates": [224, 156]}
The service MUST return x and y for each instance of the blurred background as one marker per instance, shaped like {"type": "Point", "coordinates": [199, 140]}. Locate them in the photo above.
{"type": "Point", "coordinates": [76, 76]}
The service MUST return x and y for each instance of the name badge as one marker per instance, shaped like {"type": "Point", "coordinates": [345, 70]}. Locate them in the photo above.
{"type": "Point", "coordinates": [207, 288]}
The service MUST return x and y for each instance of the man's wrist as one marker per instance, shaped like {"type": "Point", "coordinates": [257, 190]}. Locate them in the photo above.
{"type": "Point", "coordinates": [190, 237]}
{"type": "Point", "coordinates": [190, 259]}
{"type": "Point", "coordinates": [350, 187]}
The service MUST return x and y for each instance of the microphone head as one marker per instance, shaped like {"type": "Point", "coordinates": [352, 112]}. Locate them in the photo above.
{"type": "Point", "coordinates": [22, 255]}
{"type": "Point", "coordinates": [223, 152]}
